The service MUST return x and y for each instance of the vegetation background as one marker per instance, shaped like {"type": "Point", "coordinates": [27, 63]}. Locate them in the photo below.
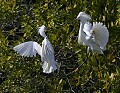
{"type": "Point", "coordinates": [19, 20]}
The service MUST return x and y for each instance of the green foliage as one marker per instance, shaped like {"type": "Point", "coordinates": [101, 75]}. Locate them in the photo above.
{"type": "Point", "coordinates": [19, 21]}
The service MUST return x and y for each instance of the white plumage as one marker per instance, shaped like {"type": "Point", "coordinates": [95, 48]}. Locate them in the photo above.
{"type": "Point", "coordinates": [83, 16]}
{"type": "Point", "coordinates": [47, 57]}
{"type": "Point", "coordinates": [87, 28]}
{"type": "Point", "coordinates": [100, 33]}
{"type": "Point", "coordinates": [29, 49]}
{"type": "Point", "coordinates": [94, 36]}
{"type": "Point", "coordinates": [41, 31]}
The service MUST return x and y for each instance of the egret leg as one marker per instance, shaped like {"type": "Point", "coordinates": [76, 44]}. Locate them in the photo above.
{"type": "Point", "coordinates": [97, 60]}
{"type": "Point", "coordinates": [88, 50]}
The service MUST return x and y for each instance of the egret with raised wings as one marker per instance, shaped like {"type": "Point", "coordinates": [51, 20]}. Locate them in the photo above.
{"type": "Point", "coordinates": [94, 36]}
{"type": "Point", "coordinates": [30, 48]}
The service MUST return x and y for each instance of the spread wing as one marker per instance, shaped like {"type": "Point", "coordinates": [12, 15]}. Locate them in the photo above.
{"type": "Point", "coordinates": [28, 49]}
{"type": "Point", "coordinates": [100, 33]}
{"type": "Point", "coordinates": [49, 63]}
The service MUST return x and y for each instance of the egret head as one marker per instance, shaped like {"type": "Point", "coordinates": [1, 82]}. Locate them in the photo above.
{"type": "Point", "coordinates": [83, 17]}
{"type": "Point", "coordinates": [41, 30]}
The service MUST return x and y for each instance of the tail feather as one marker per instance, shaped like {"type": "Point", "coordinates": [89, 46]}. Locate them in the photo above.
{"type": "Point", "coordinates": [48, 67]}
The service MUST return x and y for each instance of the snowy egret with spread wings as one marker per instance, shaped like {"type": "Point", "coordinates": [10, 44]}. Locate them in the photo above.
{"type": "Point", "coordinates": [94, 36]}
{"type": "Point", "coordinates": [46, 51]}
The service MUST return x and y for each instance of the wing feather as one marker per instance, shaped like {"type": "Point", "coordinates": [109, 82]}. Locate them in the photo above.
{"type": "Point", "coordinates": [38, 48]}
{"type": "Point", "coordinates": [28, 49]}
{"type": "Point", "coordinates": [100, 33]}
{"type": "Point", "coordinates": [87, 28]}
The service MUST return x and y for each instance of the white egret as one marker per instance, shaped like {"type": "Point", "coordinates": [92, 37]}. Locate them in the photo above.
{"type": "Point", "coordinates": [29, 49]}
{"type": "Point", "coordinates": [94, 36]}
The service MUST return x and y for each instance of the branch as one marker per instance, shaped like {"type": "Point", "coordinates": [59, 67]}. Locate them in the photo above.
{"type": "Point", "coordinates": [69, 83]}
{"type": "Point", "coordinates": [78, 67]}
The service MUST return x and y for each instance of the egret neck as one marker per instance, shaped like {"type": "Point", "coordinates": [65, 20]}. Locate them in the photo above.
{"type": "Point", "coordinates": [81, 35]}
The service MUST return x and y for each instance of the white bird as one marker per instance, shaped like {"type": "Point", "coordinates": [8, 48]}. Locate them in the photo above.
{"type": "Point", "coordinates": [29, 49]}
{"type": "Point", "coordinates": [94, 36]}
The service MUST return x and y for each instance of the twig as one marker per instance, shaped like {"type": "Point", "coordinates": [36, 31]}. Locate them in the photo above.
{"type": "Point", "coordinates": [69, 83]}
{"type": "Point", "coordinates": [78, 67]}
